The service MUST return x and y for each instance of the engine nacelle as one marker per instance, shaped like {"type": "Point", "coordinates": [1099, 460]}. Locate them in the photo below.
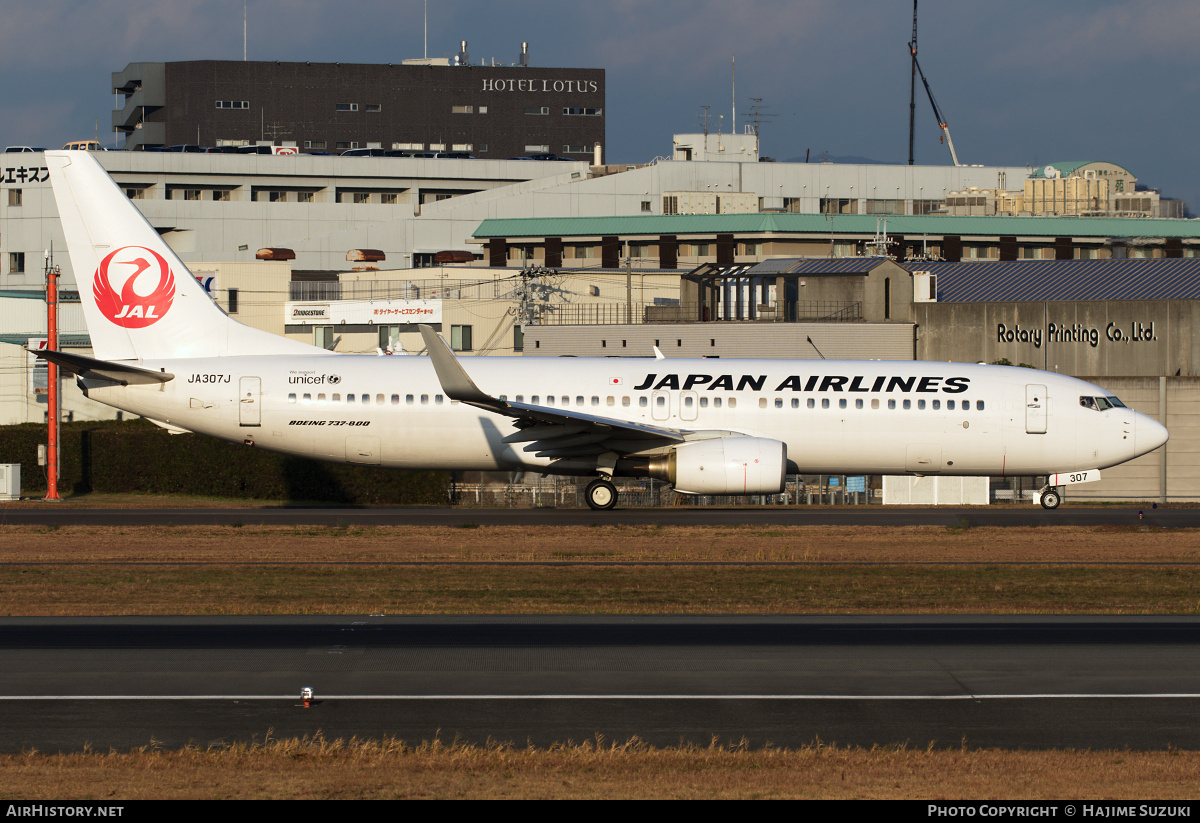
{"type": "Point", "coordinates": [729, 465]}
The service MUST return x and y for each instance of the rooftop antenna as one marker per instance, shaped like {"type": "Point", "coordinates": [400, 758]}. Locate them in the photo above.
{"type": "Point", "coordinates": [704, 120]}
{"type": "Point", "coordinates": [426, 29]}
{"type": "Point", "coordinates": [925, 255]}
{"type": "Point", "coordinates": [756, 111]}
{"type": "Point", "coordinates": [733, 95]}
{"type": "Point", "coordinates": [244, 31]}
{"type": "Point", "coordinates": [274, 131]}
{"type": "Point", "coordinates": [879, 244]}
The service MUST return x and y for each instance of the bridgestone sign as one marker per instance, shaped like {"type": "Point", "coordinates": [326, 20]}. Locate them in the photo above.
{"type": "Point", "coordinates": [363, 312]}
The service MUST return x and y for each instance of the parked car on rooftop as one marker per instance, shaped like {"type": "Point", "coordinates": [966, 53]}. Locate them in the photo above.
{"type": "Point", "coordinates": [84, 145]}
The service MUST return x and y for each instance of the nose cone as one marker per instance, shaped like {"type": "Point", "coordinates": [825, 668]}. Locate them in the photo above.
{"type": "Point", "coordinates": [1148, 434]}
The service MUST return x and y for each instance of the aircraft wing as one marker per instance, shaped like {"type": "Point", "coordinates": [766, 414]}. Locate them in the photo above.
{"type": "Point", "coordinates": [550, 432]}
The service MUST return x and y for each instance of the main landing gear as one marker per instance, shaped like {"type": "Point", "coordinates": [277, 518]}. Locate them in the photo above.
{"type": "Point", "coordinates": [600, 494]}
{"type": "Point", "coordinates": [1050, 497]}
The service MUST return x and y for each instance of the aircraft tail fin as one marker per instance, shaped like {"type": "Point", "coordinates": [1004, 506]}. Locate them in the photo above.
{"type": "Point", "coordinates": [139, 299]}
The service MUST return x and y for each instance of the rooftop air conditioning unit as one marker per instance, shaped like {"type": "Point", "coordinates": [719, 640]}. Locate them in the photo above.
{"type": "Point", "coordinates": [924, 287]}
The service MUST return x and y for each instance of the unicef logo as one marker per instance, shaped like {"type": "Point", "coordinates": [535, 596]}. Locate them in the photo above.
{"type": "Point", "coordinates": [334, 379]}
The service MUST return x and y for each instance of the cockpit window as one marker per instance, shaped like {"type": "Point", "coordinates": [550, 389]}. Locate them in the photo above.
{"type": "Point", "coordinates": [1101, 403]}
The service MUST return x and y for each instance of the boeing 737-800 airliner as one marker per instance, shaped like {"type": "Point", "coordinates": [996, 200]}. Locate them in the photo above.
{"type": "Point", "coordinates": [164, 350]}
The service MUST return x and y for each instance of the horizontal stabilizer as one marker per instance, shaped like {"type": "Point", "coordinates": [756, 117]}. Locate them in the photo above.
{"type": "Point", "coordinates": [91, 369]}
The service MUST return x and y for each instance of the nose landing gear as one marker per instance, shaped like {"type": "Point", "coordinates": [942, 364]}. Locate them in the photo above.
{"type": "Point", "coordinates": [1050, 497]}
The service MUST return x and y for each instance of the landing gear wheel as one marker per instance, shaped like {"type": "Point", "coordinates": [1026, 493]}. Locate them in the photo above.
{"type": "Point", "coordinates": [600, 494]}
{"type": "Point", "coordinates": [1051, 498]}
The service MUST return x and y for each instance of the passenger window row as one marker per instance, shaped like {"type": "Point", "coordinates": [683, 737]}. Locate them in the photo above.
{"type": "Point", "coordinates": [365, 399]}
{"type": "Point", "coordinates": [892, 403]}
{"type": "Point", "coordinates": [564, 401]}
{"type": "Point", "coordinates": [688, 401]}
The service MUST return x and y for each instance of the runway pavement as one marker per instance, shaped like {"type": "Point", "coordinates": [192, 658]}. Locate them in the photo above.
{"type": "Point", "coordinates": [1026, 682]}
{"type": "Point", "coordinates": [1120, 514]}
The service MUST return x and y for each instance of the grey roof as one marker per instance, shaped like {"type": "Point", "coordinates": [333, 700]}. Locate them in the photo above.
{"type": "Point", "coordinates": [818, 265]}
{"type": "Point", "coordinates": [866, 225]}
{"type": "Point", "coordinates": [1036, 280]}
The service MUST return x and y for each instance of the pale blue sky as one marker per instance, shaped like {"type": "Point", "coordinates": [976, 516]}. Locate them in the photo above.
{"type": "Point", "coordinates": [1020, 82]}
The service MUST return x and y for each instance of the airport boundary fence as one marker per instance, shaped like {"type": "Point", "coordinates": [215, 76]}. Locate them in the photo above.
{"type": "Point", "coordinates": [568, 492]}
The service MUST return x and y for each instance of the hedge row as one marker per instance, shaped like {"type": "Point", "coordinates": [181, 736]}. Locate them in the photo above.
{"type": "Point", "coordinates": [139, 457]}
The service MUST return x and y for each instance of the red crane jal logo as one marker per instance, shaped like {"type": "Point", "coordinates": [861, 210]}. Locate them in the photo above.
{"type": "Point", "coordinates": [115, 292]}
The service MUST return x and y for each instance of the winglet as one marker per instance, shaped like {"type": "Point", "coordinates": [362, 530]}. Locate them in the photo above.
{"type": "Point", "coordinates": [657, 354]}
{"type": "Point", "coordinates": [456, 383]}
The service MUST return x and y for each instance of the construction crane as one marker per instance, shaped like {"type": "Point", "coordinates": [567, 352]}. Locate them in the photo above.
{"type": "Point", "coordinates": [912, 104]}
{"type": "Point", "coordinates": [912, 86]}
{"type": "Point", "coordinates": [938, 114]}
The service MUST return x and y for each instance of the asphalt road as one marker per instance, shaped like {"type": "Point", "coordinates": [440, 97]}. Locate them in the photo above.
{"type": "Point", "coordinates": [1028, 682]}
{"type": "Point", "coordinates": [680, 516]}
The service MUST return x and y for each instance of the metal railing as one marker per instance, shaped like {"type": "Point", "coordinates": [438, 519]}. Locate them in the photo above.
{"type": "Point", "coordinates": [592, 314]}
{"type": "Point", "coordinates": [611, 314]}
{"type": "Point", "coordinates": [827, 311]}
{"type": "Point", "coordinates": [431, 289]}
{"type": "Point", "coordinates": [809, 490]}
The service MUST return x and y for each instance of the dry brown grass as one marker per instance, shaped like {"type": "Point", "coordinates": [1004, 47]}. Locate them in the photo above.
{"type": "Point", "coordinates": [507, 589]}
{"type": "Point", "coordinates": [390, 769]}
{"type": "Point", "coordinates": [581, 570]}
{"type": "Point", "coordinates": [679, 544]}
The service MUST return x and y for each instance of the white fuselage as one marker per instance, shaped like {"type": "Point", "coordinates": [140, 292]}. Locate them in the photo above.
{"type": "Point", "coordinates": [861, 417]}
